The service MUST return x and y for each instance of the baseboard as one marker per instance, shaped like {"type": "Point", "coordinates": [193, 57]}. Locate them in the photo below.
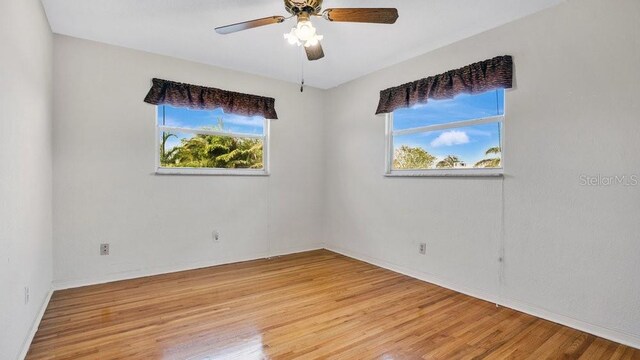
{"type": "Point", "coordinates": [75, 283]}
{"type": "Point", "coordinates": [34, 327]}
{"type": "Point", "coordinates": [597, 330]}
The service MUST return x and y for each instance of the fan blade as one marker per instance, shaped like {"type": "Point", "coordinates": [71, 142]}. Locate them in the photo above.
{"type": "Point", "coordinates": [364, 15]}
{"type": "Point", "coordinates": [314, 52]}
{"type": "Point", "coordinates": [228, 29]}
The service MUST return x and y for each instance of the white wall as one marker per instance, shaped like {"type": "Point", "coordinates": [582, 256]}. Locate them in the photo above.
{"type": "Point", "coordinates": [25, 176]}
{"type": "Point", "coordinates": [571, 252]}
{"type": "Point", "coordinates": [105, 189]}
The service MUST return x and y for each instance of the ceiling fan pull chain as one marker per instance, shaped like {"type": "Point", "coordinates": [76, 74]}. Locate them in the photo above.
{"type": "Point", "coordinates": [301, 73]}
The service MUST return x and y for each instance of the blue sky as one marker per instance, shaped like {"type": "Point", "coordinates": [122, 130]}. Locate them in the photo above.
{"type": "Point", "coordinates": [199, 119]}
{"type": "Point", "coordinates": [467, 143]}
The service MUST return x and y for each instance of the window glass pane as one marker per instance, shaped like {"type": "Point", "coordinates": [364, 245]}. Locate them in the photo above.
{"type": "Point", "coordinates": [457, 148]}
{"type": "Point", "coordinates": [210, 120]}
{"type": "Point", "coordinates": [209, 151]}
{"type": "Point", "coordinates": [462, 107]}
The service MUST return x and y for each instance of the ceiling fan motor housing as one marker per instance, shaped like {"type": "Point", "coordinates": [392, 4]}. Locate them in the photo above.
{"type": "Point", "coordinates": [296, 7]}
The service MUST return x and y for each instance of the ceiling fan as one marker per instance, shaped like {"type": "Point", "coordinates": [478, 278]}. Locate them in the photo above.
{"type": "Point", "coordinates": [304, 33]}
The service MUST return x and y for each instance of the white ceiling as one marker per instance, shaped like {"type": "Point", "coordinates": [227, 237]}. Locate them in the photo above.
{"type": "Point", "coordinates": [184, 29]}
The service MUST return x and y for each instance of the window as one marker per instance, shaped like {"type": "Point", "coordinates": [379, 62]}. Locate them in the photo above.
{"type": "Point", "coordinates": [459, 136]}
{"type": "Point", "coordinates": [210, 142]}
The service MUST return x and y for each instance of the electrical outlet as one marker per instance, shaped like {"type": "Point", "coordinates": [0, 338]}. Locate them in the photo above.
{"type": "Point", "coordinates": [26, 294]}
{"type": "Point", "coordinates": [422, 249]}
{"type": "Point", "coordinates": [104, 249]}
{"type": "Point", "coordinates": [216, 235]}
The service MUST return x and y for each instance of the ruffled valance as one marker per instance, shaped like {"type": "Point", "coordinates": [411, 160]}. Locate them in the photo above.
{"type": "Point", "coordinates": [165, 92]}
{"type": "Point", "coordinates": [496, 73]}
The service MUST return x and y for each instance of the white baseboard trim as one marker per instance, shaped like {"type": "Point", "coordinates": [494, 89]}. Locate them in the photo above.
{"type": "Point", "coordinates": [597, 330]}
{"type": "Point", "coordinates": [75, 283]}
{"type": "Point", "coordinates": [34, 327]}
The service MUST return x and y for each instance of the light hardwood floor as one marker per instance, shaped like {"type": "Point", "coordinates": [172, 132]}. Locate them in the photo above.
{"type": "Point", "coordinates": [314, 305]}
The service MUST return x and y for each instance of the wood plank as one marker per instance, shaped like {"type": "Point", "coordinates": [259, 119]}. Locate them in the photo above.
{"type": "Point", "coordinates": [310, 305]}
{"type": "Point", "coordinates": [363, 15]}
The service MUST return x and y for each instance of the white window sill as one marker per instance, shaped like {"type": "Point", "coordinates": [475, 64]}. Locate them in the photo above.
{"type": "Point", "coordinates": [447, 173]}
{"type": "Point", "coordinates": [216, 172]}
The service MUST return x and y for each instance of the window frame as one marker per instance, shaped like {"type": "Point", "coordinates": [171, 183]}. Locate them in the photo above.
{"type": "Point", "coordinates": [488, 172]}
{"type": "Point", "coordinates": [159, 170]}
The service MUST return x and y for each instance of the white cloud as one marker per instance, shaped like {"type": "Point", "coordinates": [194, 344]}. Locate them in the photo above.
{"type": "Point", "coordinates": [242, 120]}
{"type": "Point", "coordinates": [449, 138]}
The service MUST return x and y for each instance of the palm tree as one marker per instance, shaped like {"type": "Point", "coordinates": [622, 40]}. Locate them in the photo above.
{"type": "Point", "coordinates": [163, 153]}
{"type": "Point", "coordinates": [490, 162]}
{"type": "Point", "coordinates": [214, 151]}
{"type": "Point", "coordinates": [244, 153]}
{"type": "Point", "coordinates": [449, 162]}
{"type": "Point", "coordinates": [407, 157]}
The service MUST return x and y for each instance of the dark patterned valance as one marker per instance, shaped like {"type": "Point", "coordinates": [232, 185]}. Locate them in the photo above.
{"type": "Point", "coordinates": [165, 92]}
{"type": "Point", "coordinates": [482, 76]}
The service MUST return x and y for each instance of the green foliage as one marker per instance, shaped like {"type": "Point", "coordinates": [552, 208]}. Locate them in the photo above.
{"type": "Point", "coordinates": [490, 162]}
{"type": "Point", "coordinates": [448, 162]}
{"type": "Point", "coordinates": [163, 153]}
{"type": "Point", "coordinates": [212, 151]}
{"type": "Point", "coordinates": [407, 157]}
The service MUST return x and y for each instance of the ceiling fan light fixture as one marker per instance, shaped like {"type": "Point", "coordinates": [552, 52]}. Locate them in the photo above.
{"type": "Point", "coordinates": [303, 33]}
{"type": "Point", "coordinates": [305, 30]}
{"type": "Point", "coordinates": [291, 37]}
